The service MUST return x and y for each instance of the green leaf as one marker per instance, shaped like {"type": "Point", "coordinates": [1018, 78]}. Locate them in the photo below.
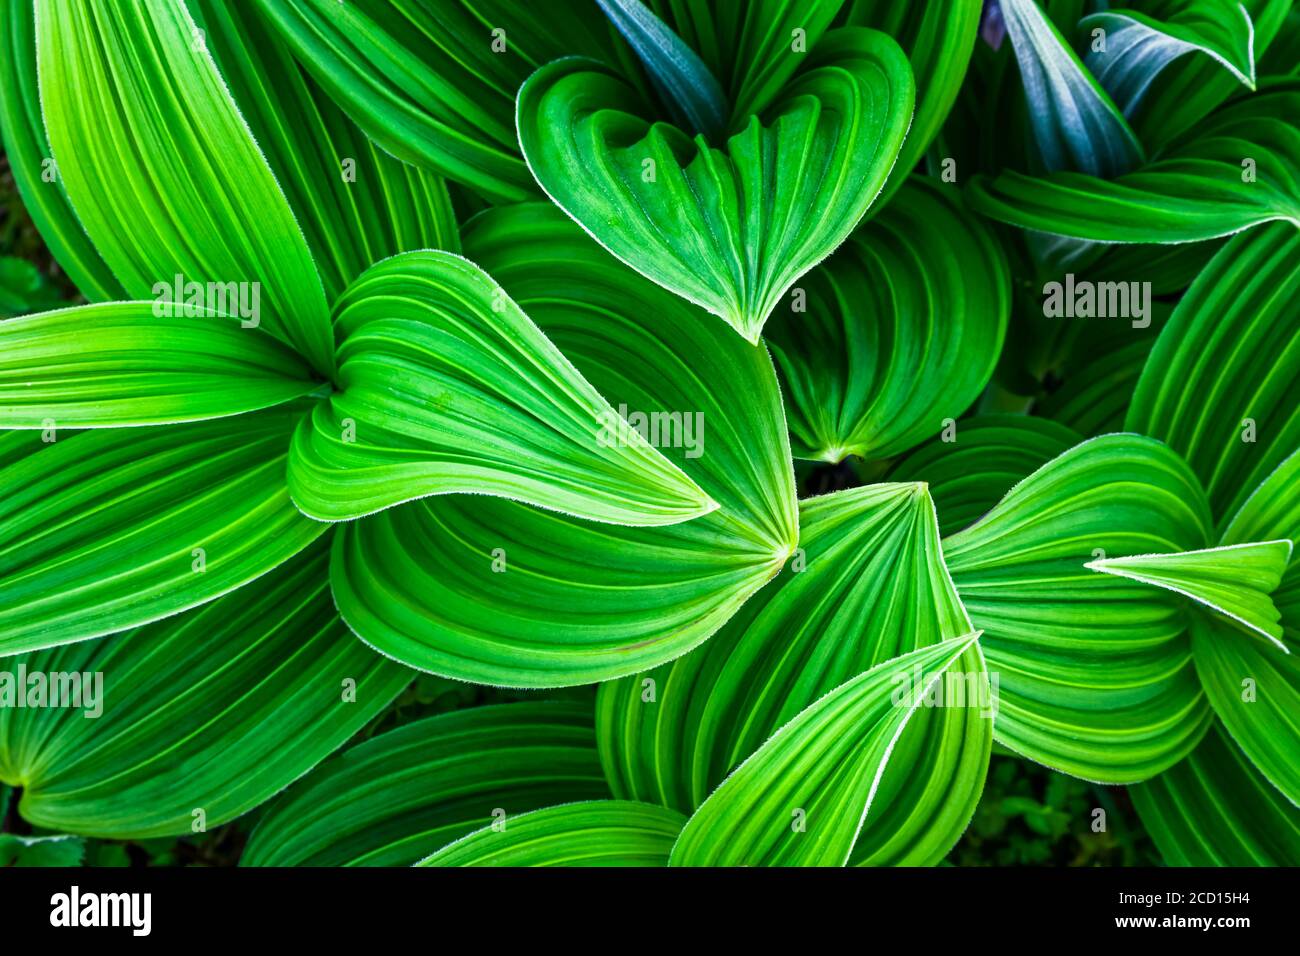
{"type": "Point", "coordinates": [684, 82]}
{"type": "Point", "coordinates": [571, 601]}
{"type": "Point", "coordinates": [594, 833]}
{"type": "Point", "coordinates": [446, 386]}
{"type": "Point", "coordinates": [1255, 690]}
{"type": "Point", "coordinates": [132, 96]}
{"type": "Point", "coordinates": [1139, 46]}
{"type": "Point", "coordinates": [1095, 398]}
{"type": "Point", "coordinates": [1234, 580]}
{"type": "Point", "coordinates": [1222, 385]}
{"type": "Point", "coordinates": [122, 363]}
{"type": "Point", "coordinates": [22, 130]}
{"type": "Point", "coordinates": [1076, 126]}
{"type": "Point", "coordinates": [108, 529]}
{"type": "Point", "coordinates": [989, 454]}
{"type": "Point", "coordinates": [404, 794]}
{"type": "Point", "coordinates": [1215, 809]}
{"type": "Point", "coordinates": [866, 586]}
{"type": "Point", "coordinates": [1095, 671]}
{"type": "Point", "coordinates": [211, 711]}
{"type": "Point", "coordinates": [802, 798]}
{"type": "Point", "coordinates": [356, 204]}
{"type": "Point", "coordinates": [1241, 169]}
{"type": "Point", "coordinates": [897, 332]}
{"type": "Point", "coordinates": [434, 83]}
{"type": "Point", "coordinates": [939, 39]}
{"type": "Point", "coordinates": [59, 850]}
{"type": "Point", "coordinates": [723, 228]}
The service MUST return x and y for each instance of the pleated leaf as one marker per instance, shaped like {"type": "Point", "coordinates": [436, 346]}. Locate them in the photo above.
{"type": "Point", "coordinates": [802, 798]}
{"type": "Point", "coordinates": [497, 592]}
{"type": "Point", "coordinates": [434, 83]}
{"type": "Point", "coordinates": [593, 833]}
{"type": "Point", "coordinates": [132, 96]}
{"type": "Point", "coordinates": [1076, 125]}
{"type": "Point", "coordinates": [356, 204]}
{"type": "Point", "coordinates": [121, 363]}
{"type": "Point", "coordinates": [1215, 809]}
{"type": "Point", "coordinates": [22, 129]}
{"type": "Point", "coordinates": [400, 796]}
{"type": "Point", "coordinates": [724, 228]}
{"type": "Point", "coordinates": [897, 332]}
{"type": "Point", "coordinates": [988, 454]}
{"type": "Point", "coordinates": [1222, 385]}
{"type": "Point", "coordinates": [108, 529]}
{"type": "Point", "coordinates": [939, 39]}
{"type": "Point", "coordinates": [1139, 45]}
{"type": "Point", "coordinates": [445, 386]}
{"type": "Point", "coordinates": [1095, 671]}
{"type": "Point", "coordinates": [210, 711]}
{"type": "Point", "coordinates": [1240, 169]}
{"type": "Point", "coordinates": [866, 586]}
{"type": "Point", "coordinates": [1234, 580]}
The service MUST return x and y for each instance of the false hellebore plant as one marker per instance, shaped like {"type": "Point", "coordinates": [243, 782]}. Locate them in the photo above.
{"type": "Point", "coordinates": [327, 421]}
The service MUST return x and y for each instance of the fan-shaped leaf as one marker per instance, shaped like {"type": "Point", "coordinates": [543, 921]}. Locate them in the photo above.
{"type": "Point", "coordinates": [571, 601]}
{"type": "Point", "coordinates": [446, 386]}
{"type": "Point", "coordinates": [121, 363]}
{"type": "Point", "coordinates": [802, 798]}
{"type": "Point", "coordinates": [402, 795]}
{"type": "Point", "coordinates": [897, 332]}
{"type": "Point", "coordinates": [1095, 671]}
{"type": "Point", "coordinates": [107, 529]}
{"type": "Point", "coordinates": [724, 228]}
{"type": "Point", "coordinates": [127, 91]}
{"type": "Point", "coordinates": [188, 736]}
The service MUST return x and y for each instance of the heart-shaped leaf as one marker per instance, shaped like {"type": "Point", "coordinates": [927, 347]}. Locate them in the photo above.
{"type": "Point", "coordinates": [446, 386]}
{"type": "Point", "coordinates": [181, 738]}
{"type": "Point", "coordinates": [400, 796]}
{"type": "Point", "coordinates": [1095, 671]}
{"type": "Point", "coordinates": [122, 363]}
{"type": "Point", "coordinates": [729, 228]}
{"type": "Point", "coordinates": [112, 528]}
{"type": "Point", "coordinates": [493, 591]}
{"type": "Point", "coordinates": [897, 332]}
{"type": "Point", "coordinates": [802, 798]}
{"type": "Point", "coordinates": [593, 833]}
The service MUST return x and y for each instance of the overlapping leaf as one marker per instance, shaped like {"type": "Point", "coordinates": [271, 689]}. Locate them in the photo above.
{"type": "Point", "coordinates": [129, 89]}
{"type": "Point", "coordinates": [724, 228]}
{"type": "Point", "coordinates": [897, 332]}
{"type": "Point", "coordinates": [108, 529]}
{"type": "Point", "coordinates": [803, 797]}
{"type": "Point", "coordinates": [402, 795]}
{"type": "Point", "coordinates": [202, 717]}
{"type": "Point", "coordinates": [1095, 671]}
{"type": "Point", "coordinates": [572, 601]}
{"type": "Point", "coordinates": [593, 833]}
{"type": "Point", "coordinates": [446, 386]}
{"type": "Point", "coordinates": [122, 363]}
